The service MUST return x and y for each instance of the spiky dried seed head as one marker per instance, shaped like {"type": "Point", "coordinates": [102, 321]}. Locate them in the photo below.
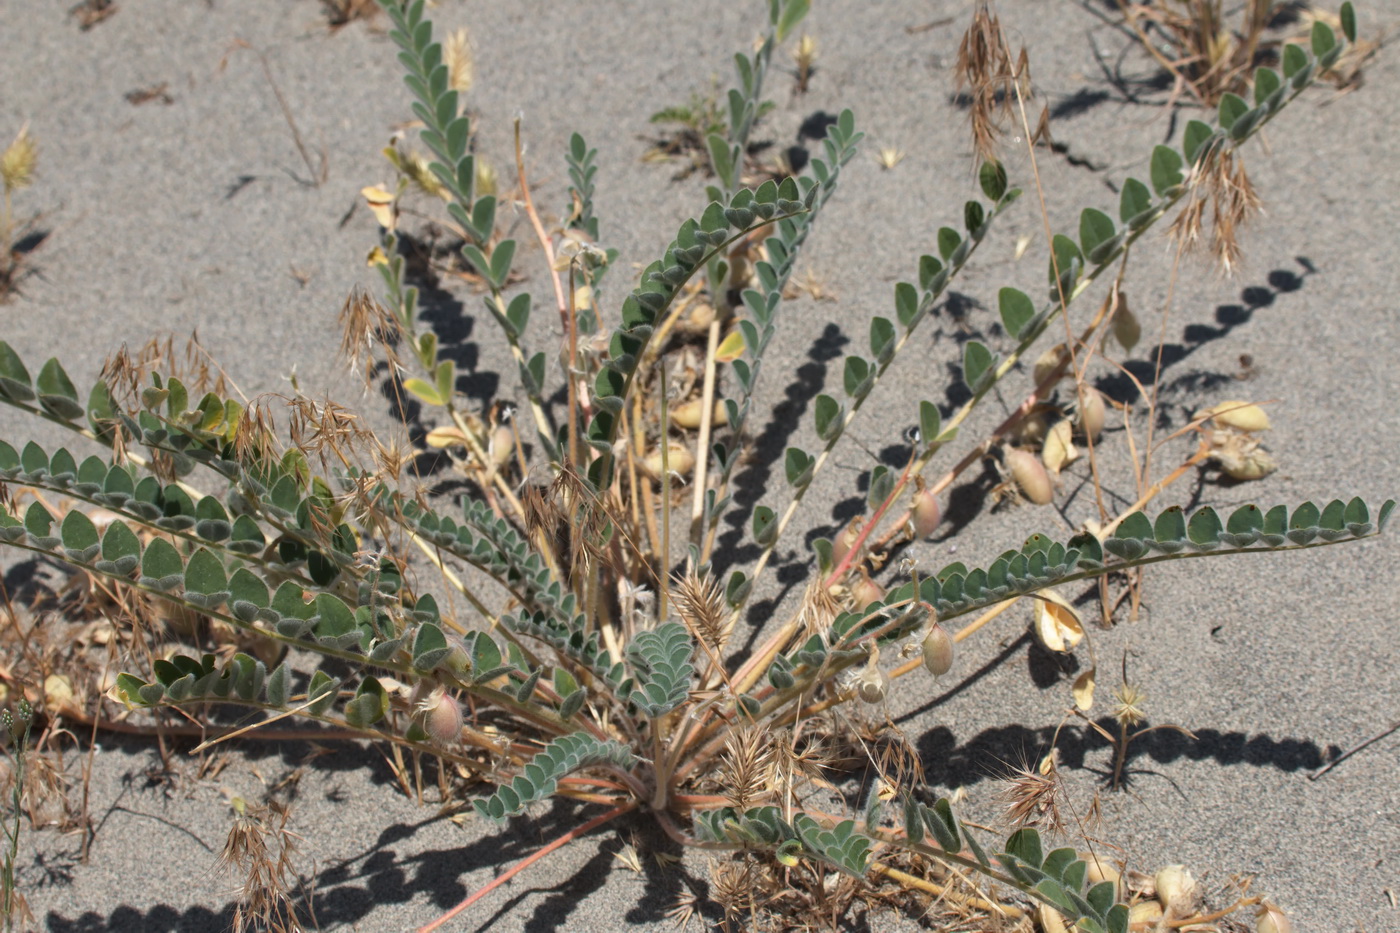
{"type": "Point", "coordinates": [1129, 709]}
{"type": "Point", "coordinates": [1032, 796]}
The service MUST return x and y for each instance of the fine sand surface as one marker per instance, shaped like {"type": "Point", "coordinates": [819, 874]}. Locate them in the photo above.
{"type": "Point", "coordinates": [196, 213]}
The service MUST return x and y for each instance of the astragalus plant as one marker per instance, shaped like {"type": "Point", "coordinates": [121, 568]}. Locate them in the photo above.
{"type": "Point", "coordinates": [597, 663]}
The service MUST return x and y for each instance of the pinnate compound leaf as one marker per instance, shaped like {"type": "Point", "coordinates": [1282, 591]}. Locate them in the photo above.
{"type": "Point", "coordinates": [556, 760]}
{"type": "Point", "coordinates": [660, 660]}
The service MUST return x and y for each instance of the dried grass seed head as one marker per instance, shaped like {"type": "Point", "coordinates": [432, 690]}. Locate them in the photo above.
{"type": "Point", "coordinates": [1032, 795]}
{"type": "Point", "coordinates": [18, 161]}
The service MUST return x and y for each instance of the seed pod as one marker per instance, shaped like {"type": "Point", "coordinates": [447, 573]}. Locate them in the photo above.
{"type": "Point", "coordinates": [1098, 870]}
{"type": "Point", "coordinates": [938, 650]}
{"type": "Point", "coordinates": [699, 318]}
{"type": "Point", "coordinates": [925, 513]}
{"type": "Point", "coordinates": [1272, 920]}
{"type": "Point", "coordinates": [1057, 625]}
{"type": "Point", "coordinates": [687, 414]}
{"type": "Point", "coordinates": [1059, 450]}
{"type": "Point", "coordinates": [1092, 413]}
{"type": "Point", "coordinates": [1176, 890]}
{"type": "Point", "coordinates": [1055, 358]}
{"type": "Point", "coordinates": [1242, 416]}
{"type": "Point", "coordinates": [443, 720]}
{"type": "Point", "coordinates": [1031, 430]}
{"type": "Point", "coordinates": [1029, 475]}
{"type": "Point", "coordinates": [866, 591]}
{"type": "Point", "coordinates": [846, 539]}
{"type": "Point", "coordinates": [872, 683]}
{"type": "Point", "coordinates": [1143, 914]}
{"type": "Point", "coordinates": [1051, 920]}
{"type": "Point", "coordinates": [502, 445]}
{"type": "Point", "coordinates": [1126, 329]}
{"type": "Point", "coordinates": [680, 461]}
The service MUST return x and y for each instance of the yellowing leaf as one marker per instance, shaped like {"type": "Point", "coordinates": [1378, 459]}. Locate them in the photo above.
{"type": "Point", "coordinates": [423, 390]}
{"type": "Point", "coordinates": [447, 436]}
{"type": "Point", "coordinates": [1084, 689]}
{"type": "Point", "coordinates": [381, 205]}
{"type": "Point", "coordinates": [1242, 416]}
{"type": "Point", "coordinates": [731, 348]}
{"type": "Point", "coordinates": [376, 257]}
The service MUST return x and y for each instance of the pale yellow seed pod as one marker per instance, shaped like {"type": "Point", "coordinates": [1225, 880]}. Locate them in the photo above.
{"type": "Point", "coordinates": [680, 461]}
{"type": "Point", "coordinates": [1176, 890]}
{"type": "Point", "coordinates": [1059, 451]}
{"type": "Point", "coordinates": [1144, 915]}
{"type": "Point", "coordinates": [502, 445]}
{"type": "Point", "coordinates": [1052, 359]}
{"type": "Point", "coordinates": [938, 650]}
{"type": "Point", "coordinates": [1098, 870]}
{"type": "Point", "coordinates": [687, 414]}
{"type": "Point", "coordinates": [1029, 475]}
{"type": "Point", "coordinates": [699, 317]}
{"type": "Point", "coordinates": [1050, 920]}
{"type": "Point", "coordinates": [1058, 627]}
{"type": "Point", "coordinates": [1093, 411]}
{"type": "Point", "coordinates": [926, 513]}
{"type": "Point", "coordinates": [1272, 920]}
{"type": "Point", "coordinates": [1242, 416]}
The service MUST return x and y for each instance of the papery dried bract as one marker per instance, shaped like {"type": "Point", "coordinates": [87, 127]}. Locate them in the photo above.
{"type": "Point", "coordinates": [1057, 625]}
{"type": "Point", "coordinates": [1059, 451]}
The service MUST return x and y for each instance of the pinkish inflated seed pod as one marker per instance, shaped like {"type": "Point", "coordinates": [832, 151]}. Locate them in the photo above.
{"type": "Point", "coordinates": [1030, 476]}
{"type": "Point", "coordinates": [1092, 414]}
{"type": "Point", "coordinates": [866, 591]}
{"type": "Point", "coordinates": [925, 513]}
{"type": "Point", "coordinates": [442, 719]}
{"type": "Point", "coordinates": [938, 650]}
{"type": "Point", "coordinates": [846, 539]}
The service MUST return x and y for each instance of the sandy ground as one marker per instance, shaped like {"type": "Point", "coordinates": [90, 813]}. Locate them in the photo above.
{"type": "Point", "coordinates": [196, 212]}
